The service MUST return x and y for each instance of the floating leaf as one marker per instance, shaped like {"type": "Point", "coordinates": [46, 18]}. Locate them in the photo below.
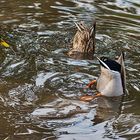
{"type": "Point", "coordinates": [3, 43]}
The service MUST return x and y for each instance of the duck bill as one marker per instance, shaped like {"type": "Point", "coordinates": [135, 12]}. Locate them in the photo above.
{"type": "Point", "coordinates": [4, 44]}
{"type": "Point", "coordinates": [103, 64]}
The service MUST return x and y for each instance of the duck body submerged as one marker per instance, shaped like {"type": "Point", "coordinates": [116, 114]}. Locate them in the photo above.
{"type": "Point", "coordinates": [111, 81]}
{"type": "Point", "coordinates": [83, 41]}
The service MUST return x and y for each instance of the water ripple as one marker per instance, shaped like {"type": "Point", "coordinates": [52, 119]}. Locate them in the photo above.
{"type": "Point", "coordinates": [40, 85]}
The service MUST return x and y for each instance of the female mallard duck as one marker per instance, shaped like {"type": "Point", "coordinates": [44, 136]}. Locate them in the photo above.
{"type": "Point", "coordinates": [111, 81]}
{"type": "Point", "coordinates": [84, 40]}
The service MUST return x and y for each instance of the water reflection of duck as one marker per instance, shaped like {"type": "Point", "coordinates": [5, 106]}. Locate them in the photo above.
{"type": "Point", "coordinates": [111, 81]}
{"type": "Point", "coordinates": [83, 41]}
{"type": "Point", "coordinates": [108, 108]}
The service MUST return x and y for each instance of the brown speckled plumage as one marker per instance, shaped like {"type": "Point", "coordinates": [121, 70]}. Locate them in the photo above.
{"type": "Point", "coordinates": [84, 40]}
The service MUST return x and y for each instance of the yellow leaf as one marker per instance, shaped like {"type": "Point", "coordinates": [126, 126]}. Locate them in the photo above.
{"type": "Point", "coordinates": [3, 43]}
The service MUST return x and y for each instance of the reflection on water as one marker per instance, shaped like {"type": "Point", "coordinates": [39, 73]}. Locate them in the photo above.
{"type": "Point", "coordinates": [40, 85]}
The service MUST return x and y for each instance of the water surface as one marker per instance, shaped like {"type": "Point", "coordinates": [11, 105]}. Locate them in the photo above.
{"type": "Point", "coordinates": [40, 85]}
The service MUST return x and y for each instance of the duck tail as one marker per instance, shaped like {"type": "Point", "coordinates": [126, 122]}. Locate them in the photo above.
{"type": "Point", "coordinates": [123, 72]}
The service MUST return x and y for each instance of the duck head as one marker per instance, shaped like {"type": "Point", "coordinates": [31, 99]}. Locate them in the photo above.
{"type": "Point", "coordinates": [111, 81]}
{"type": "Point", "coordinates": [84, 39]}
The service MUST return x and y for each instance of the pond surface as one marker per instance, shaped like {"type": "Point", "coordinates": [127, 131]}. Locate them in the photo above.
{"type": "Point", "coordinates": [40, 85]}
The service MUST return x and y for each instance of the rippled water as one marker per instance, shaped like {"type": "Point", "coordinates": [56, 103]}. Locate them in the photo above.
{"type": "Point", "coordinates": [40, 85]}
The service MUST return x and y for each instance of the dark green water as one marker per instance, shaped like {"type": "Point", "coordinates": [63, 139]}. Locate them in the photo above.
{"type": "Point", "coordinates": [40, 85]}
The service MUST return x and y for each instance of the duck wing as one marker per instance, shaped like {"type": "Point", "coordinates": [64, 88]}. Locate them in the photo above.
{"type": "Point", "coordinates": [123, 72]}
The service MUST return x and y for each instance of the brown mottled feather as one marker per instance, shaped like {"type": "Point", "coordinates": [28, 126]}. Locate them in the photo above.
{"type": "Point", "coordinates": [84, 40]}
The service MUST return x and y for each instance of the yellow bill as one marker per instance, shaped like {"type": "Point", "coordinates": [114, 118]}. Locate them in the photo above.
{"type": "Point", "coordinates": [3, 43]}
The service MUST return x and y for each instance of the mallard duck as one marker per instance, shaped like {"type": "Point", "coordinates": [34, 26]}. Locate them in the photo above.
{"type": "Point", "coordinates": [84, 40]}
{"type": "Point", "coordinates": [112, 79]}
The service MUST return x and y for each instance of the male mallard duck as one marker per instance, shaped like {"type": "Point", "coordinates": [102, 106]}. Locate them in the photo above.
{"type": "Point", "coordinates": [84, 40]}
{"type": "Point", "coordinates": [111, 81]}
